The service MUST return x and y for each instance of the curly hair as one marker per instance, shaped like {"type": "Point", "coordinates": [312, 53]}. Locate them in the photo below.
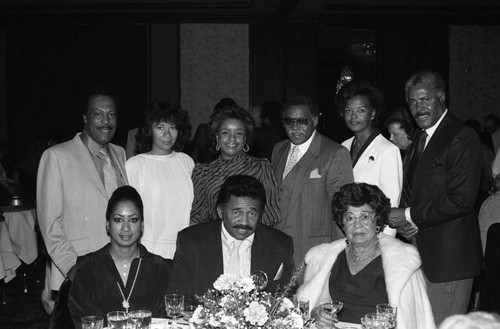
{"type": "Point", "coordinates": [231, 112]}
{"type": "Point", "coordinates": [242, 186]}
{"type": "Point", "coordinates": [159, 111]}
{"type": "Point", "coordinates": [367, 89]}
{"type": "Point", "coordinates": [357, 195]}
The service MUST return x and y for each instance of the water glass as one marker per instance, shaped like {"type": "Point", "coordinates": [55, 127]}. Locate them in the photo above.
{"type": "Point", "coordinates": [188, 311]}
{"type": "Point", "coordinates": [331, 309]}
{"type": "Point", "coordinates": [140, 319]}
{"type": "Point", "coordinates": [174, 304]}
{"type": "Point", "coordinates": [117, 320]}
{"type": "Point", "coordinates": [391, 311]}
{"type": "Point", "coordinates": [92, 322]}
{"type": "Point", "coordinates": [376, 321]}
{"type": "Point", "coordinates": [303, 304]}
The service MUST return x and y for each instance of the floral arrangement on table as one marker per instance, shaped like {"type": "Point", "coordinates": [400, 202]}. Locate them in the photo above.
{"type": "Point", "coordinates": [239, 303]}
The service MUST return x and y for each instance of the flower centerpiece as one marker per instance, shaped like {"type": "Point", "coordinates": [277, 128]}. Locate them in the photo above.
{"type": "Point", "coordinates": [239, 303]}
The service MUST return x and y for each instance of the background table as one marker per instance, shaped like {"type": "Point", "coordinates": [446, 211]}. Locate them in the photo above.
{"type": "Point", "coordinates": [18, 240]}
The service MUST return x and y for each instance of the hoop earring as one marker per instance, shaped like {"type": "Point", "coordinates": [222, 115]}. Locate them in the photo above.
{"type": "Point", "coordinates": [377, 229]}
{"type": "Point", "coordinates": [347, 242]}
{"type": "Point", "coordinates": [248, 148]}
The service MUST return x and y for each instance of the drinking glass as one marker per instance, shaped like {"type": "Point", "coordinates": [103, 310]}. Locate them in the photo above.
{"type": "Point", "coordinates": [174, 304]}
{"type": "Point", "coordinates": [117, 320]}
{"type": "Point", "coordinates": [331, 308]}
{"type": "Point", "coordinates": [303, 304]}
{"type": "Point", "coordinates": [188, 311]}
{"type": "Point", "coordinates": [140, 319]}
{"type": "Point", "coordinates": [376, 321]}
{"type": "Point", "coordinates": [92, 322]}
{"type": "Point", "coordinates": [391, 311]}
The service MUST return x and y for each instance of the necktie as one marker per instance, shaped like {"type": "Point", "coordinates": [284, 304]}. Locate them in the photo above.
{"type": "Point", "coordinates": [294, 158]}
{"type": "Point", "coordinates": [234, 258]}
{"type": "Point", "coordinates": [110, 181]}
{"type": "Point", "coordinates": [419, 149]}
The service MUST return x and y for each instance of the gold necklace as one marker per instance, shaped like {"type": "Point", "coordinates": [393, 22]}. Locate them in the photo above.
{"type": "Point", "coordinates": [357, 259]}
{"type": "Point", "coordinates": [125, 302]}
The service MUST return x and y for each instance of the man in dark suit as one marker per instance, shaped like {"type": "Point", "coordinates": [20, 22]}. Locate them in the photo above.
{"type": "Point", "coordinates": [310, 169]}
{"type": "Point", "coordinates": [442, 175]}
{"type": "Point", "coordinates": [238, 244]}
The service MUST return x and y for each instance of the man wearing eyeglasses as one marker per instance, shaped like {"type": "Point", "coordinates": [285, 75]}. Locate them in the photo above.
{"type": "Point", "coordinates": [310, 169]}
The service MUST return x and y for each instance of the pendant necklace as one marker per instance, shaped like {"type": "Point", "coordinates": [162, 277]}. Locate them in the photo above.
{"type": "Point", "coordinates": [356, 259]}
{"type": "Point", "coordinates": [125, 302]}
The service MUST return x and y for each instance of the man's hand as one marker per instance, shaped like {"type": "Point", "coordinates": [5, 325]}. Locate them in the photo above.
{"type": "Point", "coordinates": [397, 220]}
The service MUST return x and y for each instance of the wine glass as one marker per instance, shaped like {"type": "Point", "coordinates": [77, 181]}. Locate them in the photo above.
{"type": "Point", "coordinates": [391, 311]}
{"type": "Point", "coordinates": [260, 280]}
{"type": "Point", "coordinates": [92, 322]}
{"type": "Point", "coordinates": [174, 305]}
{"type": "Point", "coordinates": [332, 308]}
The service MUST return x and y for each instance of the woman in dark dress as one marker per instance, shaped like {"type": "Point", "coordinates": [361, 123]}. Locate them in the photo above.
{"type": "Point", "coordinates": [368, 267]}
{"type": "Point", "coordinates": [123, 275]}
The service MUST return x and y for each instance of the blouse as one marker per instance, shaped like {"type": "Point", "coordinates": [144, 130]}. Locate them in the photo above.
{"type": "Point", "coordinates": [95, 291]}
{"type": "Point", "coordinates": [209, 177]}
{"type": "Point", "coordinates": [164, 183]}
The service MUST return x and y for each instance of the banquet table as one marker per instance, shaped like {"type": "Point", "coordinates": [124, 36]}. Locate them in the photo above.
{"type": "Point", "coordinates": [18, 242]}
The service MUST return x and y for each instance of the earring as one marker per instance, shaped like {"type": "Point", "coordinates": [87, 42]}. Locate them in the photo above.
{"type": "Point", "coordinates": [348, 243]}
{"type": "Point", "coordinates": [247, 148]}
{"type": "Point", "coordinates": [217, 147]}
{"type": "Point", "coordinates": [377, 229]}
{"type": "Point", "coordinates": [107, 231]}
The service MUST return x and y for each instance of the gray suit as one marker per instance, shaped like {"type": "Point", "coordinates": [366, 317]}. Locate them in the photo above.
{"type": "Point", "coordinates": [306, 193]}
{"type": "Point", "coordinates": [71, 203]}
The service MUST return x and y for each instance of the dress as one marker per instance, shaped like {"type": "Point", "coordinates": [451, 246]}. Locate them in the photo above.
{"type": "Point", "coordinates": [164, 183]}
{"type": "Point", "coordinates": [94, 290]}
{"type": "Point", "coordinates": [209, 177]}
{"type": "Point", "coordinates": [404, 279]}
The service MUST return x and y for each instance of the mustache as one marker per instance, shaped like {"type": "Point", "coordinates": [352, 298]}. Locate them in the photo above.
{"type": "Point", "coordinates": [106, 127]}
{"type": "Point", "coordinates": [422, 113]}
{"type": "Point", "coordinates": [243, 227]}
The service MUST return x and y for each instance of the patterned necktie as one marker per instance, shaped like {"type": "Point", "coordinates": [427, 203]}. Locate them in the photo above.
{"type": "Point", "coordinates": [110, 181]}
{"type": "Point", "coordinates": [294, 158]}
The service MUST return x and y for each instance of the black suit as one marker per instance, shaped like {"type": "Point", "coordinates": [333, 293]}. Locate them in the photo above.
{"type": "Point", "coordinates": [445, 184]}
{"type": "Point", "coordinates": [198, 258]}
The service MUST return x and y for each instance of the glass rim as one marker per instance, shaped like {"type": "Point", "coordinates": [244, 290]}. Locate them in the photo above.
{"type": "Point", "coordinates": [92, 318]}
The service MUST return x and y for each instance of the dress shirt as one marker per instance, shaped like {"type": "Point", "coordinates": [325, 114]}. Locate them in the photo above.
{"type": "Point", "coordinates": [94, 149]}
{"type": "Point", "coordinates": [302, 148]}
{"type": "Point", "coordinates": [242, 247]}
{"type": "Point", "coordinates": [430, 131]}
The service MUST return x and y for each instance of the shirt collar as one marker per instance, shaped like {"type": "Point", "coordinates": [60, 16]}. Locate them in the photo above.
{"type": "Point", "coordinates": [304, 146]}
{"type": "Point", "coordinates": [229, 240]}
{"type": "Point", "coordinates": [430, 131]}
{"type": "Point", "coordinates": [92, 146]}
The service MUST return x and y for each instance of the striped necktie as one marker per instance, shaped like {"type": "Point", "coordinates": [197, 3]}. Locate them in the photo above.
{"type": "Point", "coordinates": [110, 181]}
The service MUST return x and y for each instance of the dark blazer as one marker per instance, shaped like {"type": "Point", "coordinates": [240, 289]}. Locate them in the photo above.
{"type": "Point", "coordinates": [445, 184]}
{"type": "Point", "coordinates": [198, 257]}
{"type": "Point", "coordinates": [306, 193]}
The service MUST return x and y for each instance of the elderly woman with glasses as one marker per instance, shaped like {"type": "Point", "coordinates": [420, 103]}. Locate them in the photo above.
{"type": "Point", "coordinates": [368, 267]}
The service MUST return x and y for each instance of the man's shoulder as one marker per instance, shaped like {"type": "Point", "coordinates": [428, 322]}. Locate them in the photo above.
{"type": "Point", "coordinates": [327, 144]}
{"type": "Point", "coordinates": [272, 234]}
{"type": "Point", "coordinates": [199, 231]}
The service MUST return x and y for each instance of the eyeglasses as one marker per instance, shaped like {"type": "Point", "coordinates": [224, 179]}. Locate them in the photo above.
{"type": "Point", "coordinates": [298, 121]}
{"type": "Point", "coordinates": [365, 218]}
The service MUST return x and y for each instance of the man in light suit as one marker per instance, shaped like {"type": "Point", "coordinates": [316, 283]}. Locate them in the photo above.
{"type": "Point", "coordinates": [441, 179]}
{"type": "Point", "coordinates": [74, 182]}
{"type": "Point", "coordinates": [310, 169]}
{"type": "Point", "coordinates": [238, 244]}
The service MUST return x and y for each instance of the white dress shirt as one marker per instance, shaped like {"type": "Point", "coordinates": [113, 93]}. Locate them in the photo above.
{"type": "Point", "coordinates": [243, 248]}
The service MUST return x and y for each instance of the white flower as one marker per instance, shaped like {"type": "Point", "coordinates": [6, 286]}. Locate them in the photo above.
{"type": "Point", "coordinates": [228, 320]}
{"type": "Point", "coordinates": [196, 318]}
{"type": "Point", "coordinates": [286, 304]}
{"type": "Point", "coordinates": [213, 321]}
{"type": "Point", "coordinates": [225, 281]}
{"type": "Point", "coordinates": [246, 284]}
{"type": "Point", "coordinates": [295, 320]}
{"type": "Point", "coordinates": [256, 314]}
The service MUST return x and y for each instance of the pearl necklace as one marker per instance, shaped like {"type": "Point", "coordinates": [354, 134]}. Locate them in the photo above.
{"type": "Point", "coordinates": [125, 302]}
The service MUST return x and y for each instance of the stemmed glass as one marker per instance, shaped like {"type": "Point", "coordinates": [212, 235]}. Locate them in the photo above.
{"type": "Point", "coordinates": [174, 305]}
{"type": "Point", "coordinates": [332, 308]}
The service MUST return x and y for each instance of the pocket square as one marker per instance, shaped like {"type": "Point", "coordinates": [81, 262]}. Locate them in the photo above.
{"type": "Point", "coordinates": [279, 273]}
{"type": "Point", "coordinates": [315, 174]}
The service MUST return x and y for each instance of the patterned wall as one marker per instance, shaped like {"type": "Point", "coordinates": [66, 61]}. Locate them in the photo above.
{"type": "Point", "coordinates": [474, 71]}
{"type": "Point", "coordinates": [214, 65]}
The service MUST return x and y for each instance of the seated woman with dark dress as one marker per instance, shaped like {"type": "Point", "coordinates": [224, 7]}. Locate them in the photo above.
{"type": "Point", "coordinates": [123, 275]}
{"type": "Point", "coordinates": [367, 268]}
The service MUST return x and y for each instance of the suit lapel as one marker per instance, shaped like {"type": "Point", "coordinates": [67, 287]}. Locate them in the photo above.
{"type": "Point", "coordinates": [119, 164]}
{"type": "Point", "coordinates": [211, 249]}
{"type": "Point", "coordinates": [88, 163]}
{"type": "Point", "coordinates": [260, 253]}
{"type": "Point", "coordinates": [280, 167]}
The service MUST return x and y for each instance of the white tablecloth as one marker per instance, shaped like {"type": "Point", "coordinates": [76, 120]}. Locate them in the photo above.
{"type": "Point", "coordinates": [17, 242]}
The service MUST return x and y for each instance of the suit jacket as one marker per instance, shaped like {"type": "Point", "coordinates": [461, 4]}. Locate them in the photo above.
{"type": "Point", "coordinates": [306, 193]}
{"type": "Point", "coordinates": [198, 258]}
{"type": "Point", "coordinates": [445, 184]}
{"type": "Point", "coordinates": [71, 203]}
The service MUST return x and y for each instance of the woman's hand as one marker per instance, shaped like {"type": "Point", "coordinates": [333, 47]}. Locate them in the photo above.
{"type": "Point", "coordinates": [323, 319]}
